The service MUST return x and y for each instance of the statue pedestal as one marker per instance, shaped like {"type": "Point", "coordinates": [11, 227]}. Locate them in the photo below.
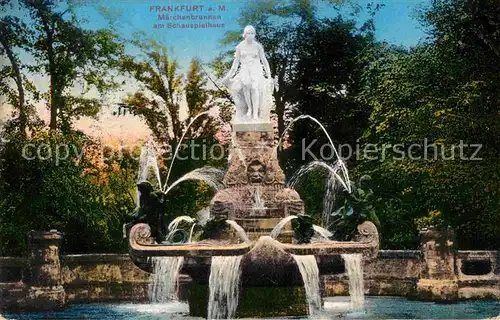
{"type": "Point", "coordinates": [253, 126]}
{"type": "Point", "coordinates": [256, 196]}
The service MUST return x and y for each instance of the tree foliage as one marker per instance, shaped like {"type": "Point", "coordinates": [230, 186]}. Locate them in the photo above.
{"type": "Point", "coordinates": [423, 97]}
{"type": "Point", "coordinates": [442, 95]}
{"type": "Point", "coordinates": [40, 191]}
{"type": "Point", "coordinates": [158, 102]}
{"type": "Point", "coordinates": [43, 193]}
{"type": "Point", "coordinates": [65, 52]}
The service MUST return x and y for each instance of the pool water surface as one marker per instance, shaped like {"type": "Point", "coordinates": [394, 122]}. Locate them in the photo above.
{"type": "Point", "coordinates": [334, 308]}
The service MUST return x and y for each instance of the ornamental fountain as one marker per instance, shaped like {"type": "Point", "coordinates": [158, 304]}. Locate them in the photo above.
{"type": "Point", "coordinates": [253, 259]}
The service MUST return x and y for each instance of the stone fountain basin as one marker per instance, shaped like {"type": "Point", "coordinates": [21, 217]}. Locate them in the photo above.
{"type": "Point", "coordinates": [266, 255]}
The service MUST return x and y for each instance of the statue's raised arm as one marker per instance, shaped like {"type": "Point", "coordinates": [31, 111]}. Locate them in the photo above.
{"type": "Point", "coordinates": [246, 80]}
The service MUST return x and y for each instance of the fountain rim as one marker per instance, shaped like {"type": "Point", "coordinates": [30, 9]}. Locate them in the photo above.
{"type": "Point", "coordinates": [368, 246]}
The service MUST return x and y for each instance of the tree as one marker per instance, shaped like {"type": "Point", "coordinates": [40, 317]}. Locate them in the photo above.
{"type": "Point", "coordinates": [44, 192]}
{"type": "Point", "coordinates": [13, 37]}
{"type": "Point", "coordinates": [38, 189]}
{"type": "Point", "coordinates": [330, 63]}
{"type": "Point", "coordinates": [65, 52]}
{"type": "Point", "coordinates": [424, 97]}
{"type": "Point", "coordinates": [465, 26]}
{"type": "Point", "coordinates": [10, 29]}
{"type": "Point", "coordinates": [196, 94]}
{"type": "Point", "coordinates": [159, 102]}
{"type": "Point", "coordinates": [199, 99]}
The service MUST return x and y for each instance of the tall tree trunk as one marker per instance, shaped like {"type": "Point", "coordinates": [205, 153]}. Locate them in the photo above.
{"type": "Point", "coordinates": [23, 118]}
{"type": "Point", "coordinates": [53, 90]}
{"type": "Point", "coordinates": [280, 112]}
{"type": "Point", "coordinates": [53, 100]}
{"type": "Point", "coordinates": [280, 100]}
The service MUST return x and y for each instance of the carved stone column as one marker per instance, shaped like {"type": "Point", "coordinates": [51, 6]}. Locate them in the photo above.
{"type": "Point", "coordinates": [256, 196]}
{"type": "Point", "coordinates": [438, 280]}
{"type": "Point", "coordinates": [43, 274]}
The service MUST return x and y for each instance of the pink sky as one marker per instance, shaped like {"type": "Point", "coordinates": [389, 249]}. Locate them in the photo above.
{"type": "Point", "coordinates": [126, 128]}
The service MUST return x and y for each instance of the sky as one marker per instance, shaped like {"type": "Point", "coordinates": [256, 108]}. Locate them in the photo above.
{"type": "Point", "coordinates": [395, 23]}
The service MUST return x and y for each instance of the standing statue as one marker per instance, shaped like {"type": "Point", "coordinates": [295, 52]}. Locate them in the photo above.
{"type": "Point", "coordinates": [249, 80]}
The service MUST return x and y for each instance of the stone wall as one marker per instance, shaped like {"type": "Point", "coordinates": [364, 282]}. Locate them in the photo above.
{"type": "Point", "coordinates": [113, 277]}
{"type": "Point", "coordinates": [394, 273]}
{"type": "Point", "coordinates": [85, 278]}
{"type": "Point", "coordinates": [103, 277]}
{"type": "Point", "coordinates": [397, 273]}
{"type": "Point", "coordinates": [478, 274]}
{"type": "Point", "coordinates": [12, 289]}
{"type": "Point", "coordinates": [47, 280]}
{"type": "Point", "coordinates": [11, 269]}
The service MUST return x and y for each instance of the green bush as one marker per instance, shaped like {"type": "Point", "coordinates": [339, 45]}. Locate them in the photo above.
{"type": "Point", "coordinates": [49, 194]}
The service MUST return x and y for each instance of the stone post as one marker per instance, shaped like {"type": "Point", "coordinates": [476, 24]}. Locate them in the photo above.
{"type": "Point", "coordinates": [438, 280]}
{"type": "Point", "coordinates": [43, 274]}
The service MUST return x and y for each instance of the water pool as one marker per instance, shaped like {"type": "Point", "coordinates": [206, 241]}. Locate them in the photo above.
{"type": "Point", "coordinates": [335, 308]}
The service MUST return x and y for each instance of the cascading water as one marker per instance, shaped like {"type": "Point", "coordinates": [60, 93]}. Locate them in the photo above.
{"type": "Point", "coordinates": [164, 278]}
{"type": "Point", "coordinates": [147, 162]}
{"type": "Point", "coordinates": [322, 232]}
{"type": "Point", "coordinates": [175, 223]}
{"type": "Point", "coordinates": [182, 139]}
{"type": "Point", "coordinates": [354, 267]}
{"type": "Point", "coordinates": [336, 172]}
{"type": "Point", "coordinates": [191, 233]}
{"type": "Point", "coordinates": [277, 229]}
{"type": "Point", "coordinates": [173, 227]}
{"type": "Point", "coordinates": [224, 283]}
{"type": "Point", "coordinates": [331, 186]}
{"type": "Point", "coordinates": [211, 176]}
{"type": "Point", "coordinates": [339, 161]}
{"type": "Point", "coordinates": [241, 232]}
{"type": "Point", "coordinates": [258, 203]}
{"type": "Point", "coordinates": [333, 178]}
{"type": "Point", "coordinates": [310, 275]}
